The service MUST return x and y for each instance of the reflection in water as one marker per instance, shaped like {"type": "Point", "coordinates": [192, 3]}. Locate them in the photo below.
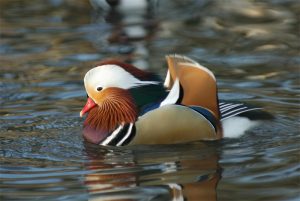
{"type": "Point", "coordinates": [132, 174]}
{"type": "Point", "coordinates": [132, 26]}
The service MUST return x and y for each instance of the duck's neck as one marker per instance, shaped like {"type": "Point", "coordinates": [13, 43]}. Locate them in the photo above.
{"type": "Point", "coordinates": [117, 109]}
{"type": "Point", "coordinates": [147, 95]}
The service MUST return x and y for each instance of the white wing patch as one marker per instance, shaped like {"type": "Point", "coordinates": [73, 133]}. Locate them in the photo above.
{"type": "Point", "coordinates": [173, 94]}
{"type": "Point", "coordinates": [167, 80]}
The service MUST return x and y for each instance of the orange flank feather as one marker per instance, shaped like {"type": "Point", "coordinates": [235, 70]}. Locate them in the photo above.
{"type": "Point", "coordinates": [199, 89]}
{"type": "Point", "coordinates": [115, 107]}
{"type": "Point", "coordinates": [198, 83]}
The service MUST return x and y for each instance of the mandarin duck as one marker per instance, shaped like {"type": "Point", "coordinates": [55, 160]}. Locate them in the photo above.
{"type": "Point", "coordinates": [128, 106]}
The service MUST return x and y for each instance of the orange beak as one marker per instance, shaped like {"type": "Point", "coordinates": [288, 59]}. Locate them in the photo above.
{"type": "Point", "coordinates": [88, 106]}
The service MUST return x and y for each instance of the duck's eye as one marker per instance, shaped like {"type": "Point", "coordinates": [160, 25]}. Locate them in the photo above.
{"type": "Point", "coordinates": [99, 88]}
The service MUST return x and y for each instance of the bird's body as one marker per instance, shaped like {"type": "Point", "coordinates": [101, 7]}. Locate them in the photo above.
{"type": "Point", "coordinates": [129, 106]}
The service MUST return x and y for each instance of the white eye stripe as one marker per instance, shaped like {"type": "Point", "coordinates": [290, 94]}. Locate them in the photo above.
{"type": "Point", "coordinates": [112, 76]}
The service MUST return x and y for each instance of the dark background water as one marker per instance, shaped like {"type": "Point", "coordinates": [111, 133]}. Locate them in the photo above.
{"type": "Point", "coordinates": [47, 46]}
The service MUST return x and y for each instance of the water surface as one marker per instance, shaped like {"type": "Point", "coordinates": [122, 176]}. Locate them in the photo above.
{"type": "Point", "coordinates": [46, 48]}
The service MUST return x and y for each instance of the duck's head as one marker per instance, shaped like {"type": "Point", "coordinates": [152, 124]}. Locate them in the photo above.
{"type": "Point", "coordinates": [109, 102]}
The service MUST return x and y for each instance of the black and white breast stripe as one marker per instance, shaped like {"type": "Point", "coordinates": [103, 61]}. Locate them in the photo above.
{"type": "Point", "coordinates": [120, 136]}
{"type": "Point", "coordinates": [228, 110]}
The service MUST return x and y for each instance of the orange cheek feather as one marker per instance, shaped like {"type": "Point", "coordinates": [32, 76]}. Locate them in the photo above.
{"type": "Point", "coordinates": [115, 107]}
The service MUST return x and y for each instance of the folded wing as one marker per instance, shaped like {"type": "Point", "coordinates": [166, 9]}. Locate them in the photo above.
{"type": "Point", "coordinates": [196, 84]}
